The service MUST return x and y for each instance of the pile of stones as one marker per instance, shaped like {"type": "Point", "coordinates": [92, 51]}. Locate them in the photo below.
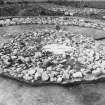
{"type": "Point", "coordinates": [52, 56]}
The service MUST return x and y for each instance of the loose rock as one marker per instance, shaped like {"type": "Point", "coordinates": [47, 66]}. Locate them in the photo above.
{"type": "Point", "coordinates": [96, 72]}
{"type": "Point", "coordinates": [77, 75]}
{"type": "Point", "coordinates": [45, 76]}
{"type": "Point", "coordinates": [59, 79]}
{"type": "Point", "coordinates": [37, 76]}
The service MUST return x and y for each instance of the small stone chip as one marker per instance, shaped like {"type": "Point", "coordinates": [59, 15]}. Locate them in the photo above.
{"type": "Point", "coordinates": [53, 79]}
{"type": "Point", "coordinates": [59, 80]}
{"type": "Point", "coordinates": [37, 75]}
{"type": "Point", "coordinates": [20, 75]}
{"type": "Point", "coordinates": [49, 68]}
{"type": "Point", "coordinates": [46, 62]}
{"type": "Point", "coordinates": [5, 70]}
{"type": "Point", "coordinates": [13, 57]}
{"type": "Point", "coordinates": [77, 75]}
{"type": "Point", "coordinates": [96, 72]}
{"type": "Point", "coordinates": [38, 54]}
{"type": "Point", "coordinates": [31, 71]}
{"type": "Point", "coordinates": [45, 76]}
{"type": "Point", "coordinates": [97, 56]}
{"type": "Point", "coordinates": [66, 75]}
{"type": "Point", "coordinates": [103, 70]}
{"type": "Point", "coordinates": [27, 77]}
{"type": "Point", "coordinates": [6, 59]}
{"type": "Point", "coordinates": [39, 70]}
{"type": "Point", "coordinates": [27, 59]}
{"type": "Point", "coordinates": [103, 17]}
{"type": "Point", "coordinates": [103, 64]}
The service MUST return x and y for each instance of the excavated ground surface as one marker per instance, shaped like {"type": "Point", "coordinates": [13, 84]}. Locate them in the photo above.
{"type": "Point", "coordinates": [16, 93]}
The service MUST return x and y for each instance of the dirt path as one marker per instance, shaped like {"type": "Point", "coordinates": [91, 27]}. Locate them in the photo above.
{"type": "Point", "coordinates": [75, 29]}
{"type": "Point", "coordinates": [15, 93]}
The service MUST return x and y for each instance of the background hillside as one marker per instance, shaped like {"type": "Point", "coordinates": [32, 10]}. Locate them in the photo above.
{"type": "Point", "coordinates": [32, 7]}
{"type": "Point", "coordinates": [88, 3]}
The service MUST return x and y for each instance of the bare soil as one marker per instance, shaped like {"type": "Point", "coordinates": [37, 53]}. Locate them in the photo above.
{"type": "Point", "coordinates": [73, 29]}
{"type": "Point", "coordinates": [15, 93]}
